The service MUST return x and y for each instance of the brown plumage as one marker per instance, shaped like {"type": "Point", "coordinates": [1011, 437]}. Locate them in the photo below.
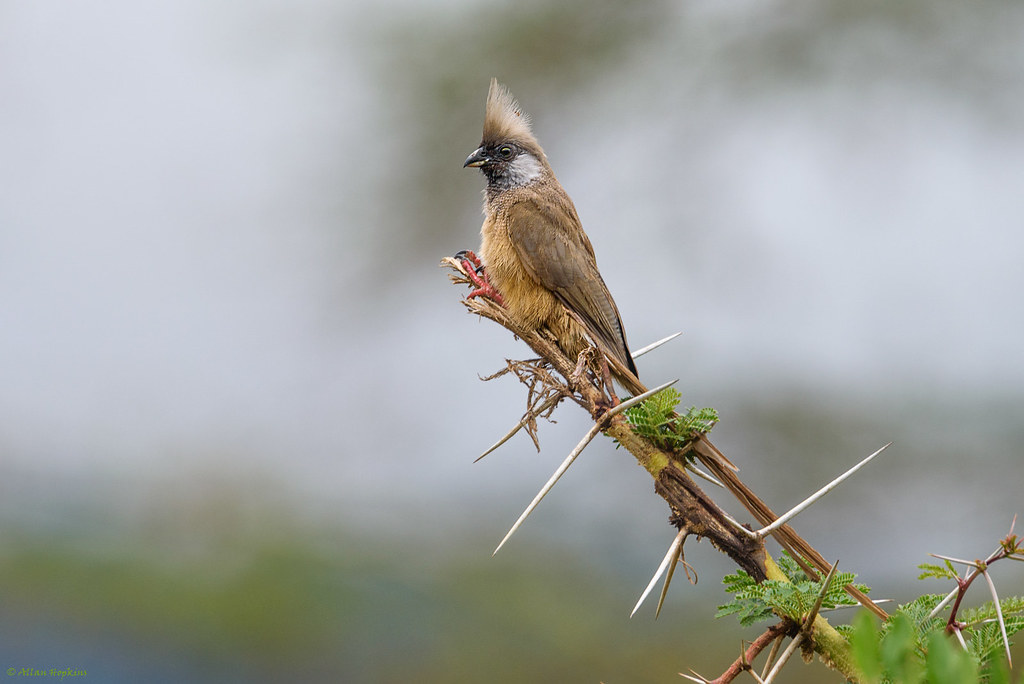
{"type": "Point", "coordinates": [534, 250]}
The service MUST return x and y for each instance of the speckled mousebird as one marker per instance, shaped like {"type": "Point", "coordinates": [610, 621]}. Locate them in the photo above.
{"type": "Point", "coordinates": [539, 264]}
{"type": "Point", "coordinates": [537, 261]}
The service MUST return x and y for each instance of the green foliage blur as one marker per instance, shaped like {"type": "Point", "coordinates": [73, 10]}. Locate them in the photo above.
{"type": "Point", "coordinates": [903, 653]}
{"type": "Point", "coordinates": [294, 603]}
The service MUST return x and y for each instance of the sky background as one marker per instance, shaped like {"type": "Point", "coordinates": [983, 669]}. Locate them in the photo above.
{"type": "Point", "coordinates": [219, 296]}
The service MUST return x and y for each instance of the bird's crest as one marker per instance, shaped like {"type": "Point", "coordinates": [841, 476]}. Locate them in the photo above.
{"type": "Point", "coordinates": [505, 120]}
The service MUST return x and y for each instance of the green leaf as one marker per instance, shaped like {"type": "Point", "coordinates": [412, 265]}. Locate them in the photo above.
{"type": "Point", "coordinates": [946, 572]}
{"type": "Point", "coordinates": [899, 651]}
{"type": "Point", "coordinates": [947, 662]}
{"type": "Point", "coordinates": [917, 612]}
{"type": "Point", "coordinates": [864, 648]}
{"type": "Point", "coordinates": [755, 602]}
{"type": "Point", "coordinates": [657, 421]}
{"type": "Point", "coordinates": [996, 672]}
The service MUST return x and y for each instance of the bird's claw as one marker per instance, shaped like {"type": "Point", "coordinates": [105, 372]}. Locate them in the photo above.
{"type": "Point", "coordinates": [478, 275]}
{"type": "Point", "coordinates": [469, 259]}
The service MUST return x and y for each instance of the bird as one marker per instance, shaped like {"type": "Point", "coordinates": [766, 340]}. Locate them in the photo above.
{"type": "Point", "coordinates": [534, 258]}
{"type": "Point", "coordinates": [537, 262]}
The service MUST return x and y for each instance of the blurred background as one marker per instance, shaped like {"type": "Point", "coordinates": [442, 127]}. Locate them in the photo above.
{"type": "Point", "coordinates": [239, 401]}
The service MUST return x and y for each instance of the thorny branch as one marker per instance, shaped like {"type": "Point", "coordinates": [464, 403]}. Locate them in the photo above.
{"type": "Point", "coordinates": [1010, 547]}
{"type": "Point", "coordinates": [692, 510]}
{"type": "Point", "coordinates": [690, 506]}
{"type": "Point", "coordinates": [745, 663]}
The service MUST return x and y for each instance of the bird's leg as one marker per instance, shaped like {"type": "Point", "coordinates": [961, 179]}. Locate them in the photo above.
{"type": "Point", "coordinates": [602, 378]}
{"type": "Point", "coordinates": [478, 274]}
{"type": "Point", "coordinates": [583, 361]}
{"type": "Point", "coordinates": [606, 375]}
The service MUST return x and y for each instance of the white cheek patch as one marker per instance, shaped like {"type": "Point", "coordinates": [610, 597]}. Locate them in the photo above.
{"type": "Point", "coordinates": [524, 169]}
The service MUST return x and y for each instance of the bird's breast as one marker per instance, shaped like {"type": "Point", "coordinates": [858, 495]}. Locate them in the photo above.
{"type": "Point", "coordinates": [527, 300]}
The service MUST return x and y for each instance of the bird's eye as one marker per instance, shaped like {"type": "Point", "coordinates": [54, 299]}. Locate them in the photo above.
{"type": "Point", "coordinates": [505, 151]}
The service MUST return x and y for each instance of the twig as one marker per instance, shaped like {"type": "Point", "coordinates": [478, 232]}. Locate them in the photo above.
{"type": "Point", "coordinates": [961, 589]}
{"type": "Point", "coordinates": [1009, 547]}
{"type": "Point", "coordinates": [530, 415]}
{"type": "Point", "coordinates": [771, 636]}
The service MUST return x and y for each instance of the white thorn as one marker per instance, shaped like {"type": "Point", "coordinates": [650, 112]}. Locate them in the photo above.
{"type": "Point", "coordinates": [576, 452]}
{"type": "Point", "coordinates": [673, 552]}
{"type": "Point", "coordinates": [654, 345]}
{"type": "Point", "coordinates": [776, 643]}
{"type": "Point", "coordinates": [804, 505]}
{"type": "Point", "coordinates": [942, 604]}
{"type": "Point", "coordinates": [960, 637]}
{"type": "Point", "coordinates": [784, 657]}
{"type": "Point", "coordinates": [824, 590]}
{"type": "Point", "coordinates": [999, 615]}
{"type": "Point", "coordinates": [551, 482]}
{"type": "Point", "coordinates": [707, 476]}
{"type": "Point", "coordinates": [668, 580]}
{"type": "Point", "coordinates": [969, 563]}
{"type": "Point", "coordinates": [742, 530]}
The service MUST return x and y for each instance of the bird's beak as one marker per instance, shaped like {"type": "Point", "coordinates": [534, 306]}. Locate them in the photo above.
{"type": "Point", "coordinates": [478, 158]}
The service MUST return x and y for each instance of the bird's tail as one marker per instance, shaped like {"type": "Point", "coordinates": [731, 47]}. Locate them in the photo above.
{"type": "Point", "coordinates": [723, 469]}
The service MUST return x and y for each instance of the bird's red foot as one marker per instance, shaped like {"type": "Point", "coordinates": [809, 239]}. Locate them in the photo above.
{"type": "Point", "coordinates": [478, 274]}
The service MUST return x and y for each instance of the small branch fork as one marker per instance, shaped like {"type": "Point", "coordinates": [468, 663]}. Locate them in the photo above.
{"type": "Point", "coordinates": [693, 512]}
{"type": "Point", "coordinates": [772, 637]}
{"type": "Point", "coordinates": [1010, 547]}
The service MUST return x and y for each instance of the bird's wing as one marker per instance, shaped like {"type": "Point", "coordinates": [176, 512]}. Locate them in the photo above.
{"type": "Point", "coordinates": [553, 248]}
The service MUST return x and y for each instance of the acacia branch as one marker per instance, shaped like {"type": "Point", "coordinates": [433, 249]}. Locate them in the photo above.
{"type": "Point", "coordinates": [691, 509]}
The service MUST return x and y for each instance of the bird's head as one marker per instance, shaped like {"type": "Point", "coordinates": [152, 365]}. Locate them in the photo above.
{"type": "Point", "coordinates": [509, 155]}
